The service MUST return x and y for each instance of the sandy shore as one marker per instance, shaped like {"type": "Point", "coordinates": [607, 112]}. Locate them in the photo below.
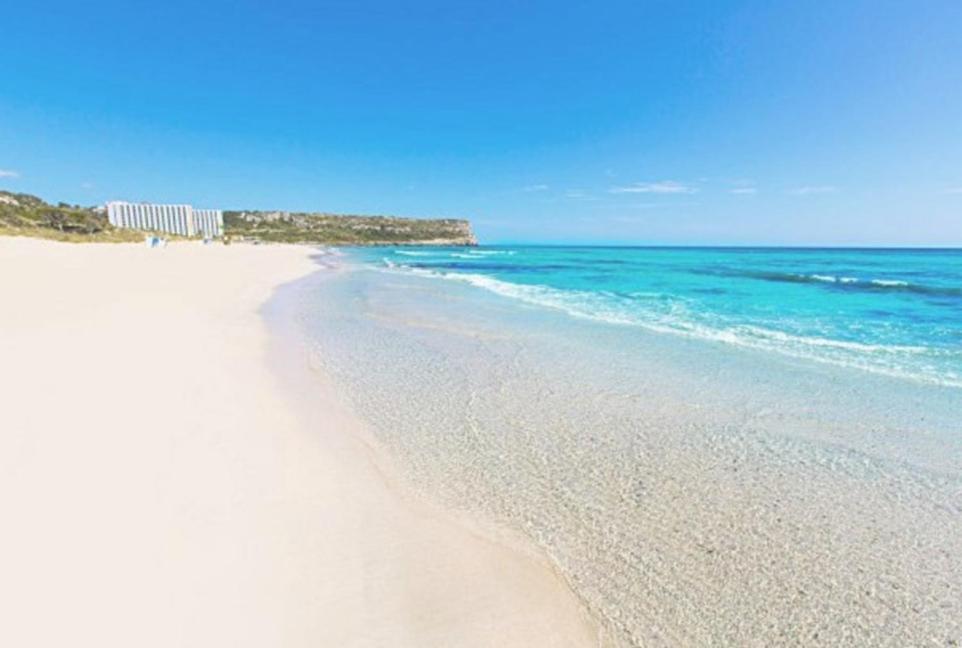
{"type": "Point", "coordinates": [159, 485]}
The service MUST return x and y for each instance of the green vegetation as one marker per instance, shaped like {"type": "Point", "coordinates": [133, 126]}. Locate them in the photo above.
{"type": "Point", "coordinates": [26, 215]}
{"type": "Point", "coordinates": [340, 229]}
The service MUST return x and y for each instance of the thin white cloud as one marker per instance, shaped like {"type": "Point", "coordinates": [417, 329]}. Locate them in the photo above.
{"type": "Point", "coordinates": [86, 185]}
{"type": "Point", "coordinates": [662, 206]}
{"type": "Point", "coordinates": [953, 190]}
{"type": "Point", "coordinates": [815, 189]}
{"type": "Point", "coordinates": [662, 187]}
{"type": "Point", "coordinates": [743, 190]}
{"type": "Point", "coordinates": [8, 174]}
{"type": "Point", "coordinates": [535, 187]}
{"type": "Point", "coordinates": [576, 194]}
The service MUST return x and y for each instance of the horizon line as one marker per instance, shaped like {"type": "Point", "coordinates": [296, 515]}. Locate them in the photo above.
{"type": "Point", "coordinates": [735, 246]}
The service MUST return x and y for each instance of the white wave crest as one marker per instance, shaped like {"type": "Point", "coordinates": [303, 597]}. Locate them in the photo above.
{"type": "Point", "coordinates": [833, 279]}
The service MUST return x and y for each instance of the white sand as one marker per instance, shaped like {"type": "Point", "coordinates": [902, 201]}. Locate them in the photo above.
{"type": "Point", "coordinates": [158, 488]}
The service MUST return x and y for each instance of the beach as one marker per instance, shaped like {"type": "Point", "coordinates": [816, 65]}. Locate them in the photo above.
{"type": "Point", "coordinates": [208, 445]}
{"type": "Point", "coordinates": [481, 325]}
{"type": "Point", "coordinates": [172, 474]}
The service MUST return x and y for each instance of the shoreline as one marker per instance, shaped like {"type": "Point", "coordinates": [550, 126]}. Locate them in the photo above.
{"type": "Point", "coordinates": [689, 492]}
{"type": "Point", "coordinates": [163, 488]}
{"type": "Point", "coordinates": [534, 580]}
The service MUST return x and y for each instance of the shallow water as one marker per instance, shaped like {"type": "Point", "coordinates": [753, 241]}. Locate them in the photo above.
{"type": "Point", "coordinates": [694, 491]}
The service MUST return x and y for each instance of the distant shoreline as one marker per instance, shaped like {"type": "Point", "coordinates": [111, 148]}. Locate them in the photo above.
{"type": "Point", "coordinates": [27, 215]}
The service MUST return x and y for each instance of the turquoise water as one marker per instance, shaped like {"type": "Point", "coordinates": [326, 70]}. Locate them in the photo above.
{"type": "Point", "coordinates": [713, 447]}
{"type": "Point", "coordinates": [896, 312]}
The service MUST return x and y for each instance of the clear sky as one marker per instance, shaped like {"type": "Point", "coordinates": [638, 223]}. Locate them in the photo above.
{"type": "Point", "coordinates": [616, 122]}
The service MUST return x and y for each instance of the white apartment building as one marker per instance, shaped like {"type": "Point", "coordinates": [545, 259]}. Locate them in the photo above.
{"type": "Point", "coordinates": [174, 219]}
{"type": "Point", "coordinates": [209, 223]}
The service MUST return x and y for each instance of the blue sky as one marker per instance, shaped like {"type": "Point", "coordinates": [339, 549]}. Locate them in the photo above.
{"type": "Point", "coordinates": [612, 122]}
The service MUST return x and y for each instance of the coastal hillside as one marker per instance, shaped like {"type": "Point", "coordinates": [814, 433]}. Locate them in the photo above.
{"type": "Point", "coordinates": [343, 229]}
{"type": "Point", "coordinates": [25, 215]}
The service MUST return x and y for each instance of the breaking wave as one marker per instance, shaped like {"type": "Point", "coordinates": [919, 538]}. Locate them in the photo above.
{"type": "Point", "coordinates": [668, 314]}
{"type": "Point", "coordinates": [842, 282]}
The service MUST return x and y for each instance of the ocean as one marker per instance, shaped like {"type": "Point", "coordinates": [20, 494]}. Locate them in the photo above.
{"type": "Point", "coordinates": [713, 446]}
{"type": "Point", "coordinates": [896, 312]}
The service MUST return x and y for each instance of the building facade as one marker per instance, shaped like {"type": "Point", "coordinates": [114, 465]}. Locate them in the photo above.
{"type": "Point", "coordinates": [209, 223]}
{"type": "Point", "coordinates": [173, 219]}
